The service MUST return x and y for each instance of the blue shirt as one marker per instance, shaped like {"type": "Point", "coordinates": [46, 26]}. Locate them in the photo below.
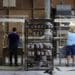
{"type": "Point", "coordinates": [71, 38]}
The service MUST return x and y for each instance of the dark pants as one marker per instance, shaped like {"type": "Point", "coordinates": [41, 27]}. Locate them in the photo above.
{"type": "Point", "coordinates": [13, 53]}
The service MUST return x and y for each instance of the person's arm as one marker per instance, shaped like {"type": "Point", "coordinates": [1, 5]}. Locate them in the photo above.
{"type": "Point", "coordinates": [18, 39]}
{"type": "Point", "coordinates": [8, 36]}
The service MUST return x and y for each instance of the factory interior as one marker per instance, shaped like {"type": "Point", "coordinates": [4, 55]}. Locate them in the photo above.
{"type": "Point", "coordinates": [40, 23]}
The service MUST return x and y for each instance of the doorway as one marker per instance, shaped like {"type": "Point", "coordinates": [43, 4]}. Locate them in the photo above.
{"type": "Point", "coordinates": [6, 25]}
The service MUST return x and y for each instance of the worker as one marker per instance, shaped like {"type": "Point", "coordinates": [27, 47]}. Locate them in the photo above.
{"type": "Point", "coordinates": [70, 49]}
{"type": "Point", "coordinates": [13, 39]}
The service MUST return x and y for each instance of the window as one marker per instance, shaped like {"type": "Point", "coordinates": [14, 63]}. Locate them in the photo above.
{"type": "Point", "coordinates": [63, 10]}
{"type": "Point", "coordinates": [9, 3]}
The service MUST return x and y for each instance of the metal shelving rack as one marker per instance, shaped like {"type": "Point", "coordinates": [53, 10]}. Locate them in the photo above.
{"type": "Point", "coordinates": [35, 35]}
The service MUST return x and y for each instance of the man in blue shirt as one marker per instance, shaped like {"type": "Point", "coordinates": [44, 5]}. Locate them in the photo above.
{"type": "Point", "coordinates": [13, 39]}
{"type": "Point", "coordinates": [70, 52]}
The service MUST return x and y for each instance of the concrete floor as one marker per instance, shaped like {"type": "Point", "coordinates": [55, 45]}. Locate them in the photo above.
{"type": "Point", "coordinates": [58, 69]}
{"type": "Point", "coordinates": [61, 71]}
{"type": "Point", "coordinates": [23, 73]}
{"type": "Point", "coordinates": [64, 71]}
